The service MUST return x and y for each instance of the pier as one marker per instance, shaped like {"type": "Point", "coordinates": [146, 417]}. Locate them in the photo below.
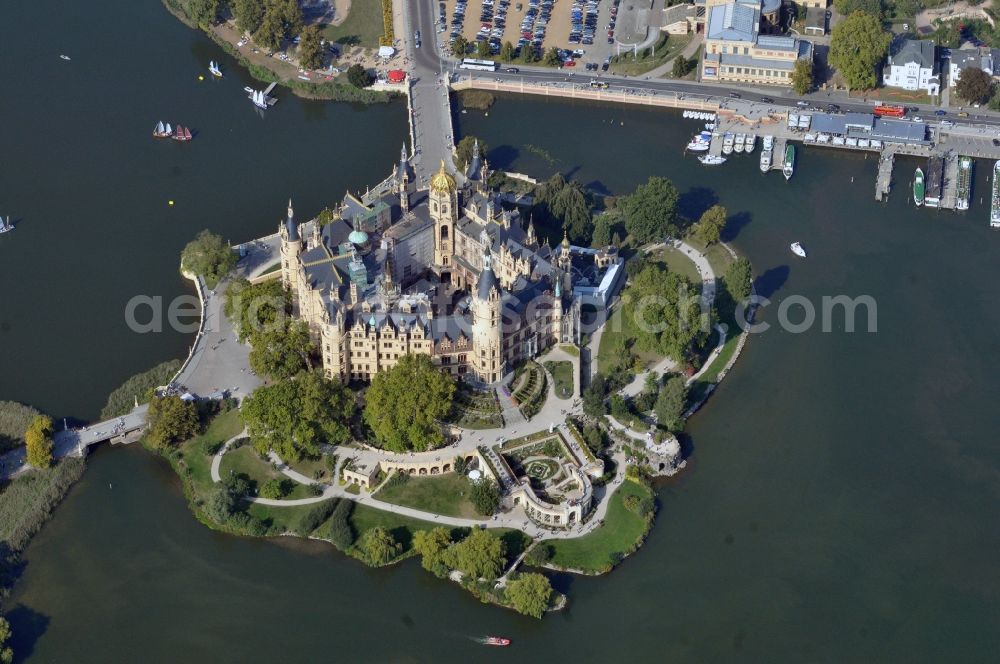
{"type": "Point", "coordinates": [883, 182]}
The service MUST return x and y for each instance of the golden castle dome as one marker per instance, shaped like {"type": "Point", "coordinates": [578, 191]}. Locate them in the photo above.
{"type": "Point", "coordinates": [442, 182]}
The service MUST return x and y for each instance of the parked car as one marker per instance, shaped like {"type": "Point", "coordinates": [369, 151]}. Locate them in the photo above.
{"type": "Point", "coordinates": [940, 112]}
{"type": "Point", "coordinates": [803, 104]}
{"type": "Point", "coordinates": [735, 95]}
{"type": "Point", "coordinates": [766, 100]}
{"type": "Point", "coordinates": [512, 70]}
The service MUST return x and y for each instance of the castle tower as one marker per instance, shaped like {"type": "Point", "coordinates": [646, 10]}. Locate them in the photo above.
{"type": "Point", "coordinates": [557, 307]}
{"type": "Point", "coordinates": [291, 247]}
{"type": "Point", "coordinates": [564, 256]}
{"type": "Point", "coordinates": [531, 239]}
{"type": "Point", "coordinates": [487, 361]}
{"type": "Point", "coordinates": [444, 211]}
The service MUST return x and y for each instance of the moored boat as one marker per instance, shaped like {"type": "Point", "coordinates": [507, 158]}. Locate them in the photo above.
{"type": "Point", "coordinates": [213, 67]}
{"type": "Point", "coordinates": [769, 142]}
{"type": "Point", "coordinates": [798, 249]}
{"type": "Point", "coordinates": [750, 143]}
{"type": "Point", "coordinates": [698, 145]}
{"type": "Point", "coordinates": [788, 168]}
{"type": "Point", "coordinates": [727, 144]}
{"type": "Point", "coordinates": [711, 159]}
{"type": "Point", "coordinates": [738, 144]}
{"type": "Point", "coordinates": [964, 183]}
{"type": "Point", "coordinates": [995, 201]}
{"type": "Point", "coordinates": [160, 130]}
{"type": "Point", "coordinates": [765, 161]}
{"type": "Point", "coordinates": [918, 187]}
{"type": "Point", "coordinates": [497, 641]}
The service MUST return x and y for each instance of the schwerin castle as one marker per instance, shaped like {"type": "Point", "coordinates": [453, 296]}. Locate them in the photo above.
{"type": "Point", "coordinates": [443, 271]}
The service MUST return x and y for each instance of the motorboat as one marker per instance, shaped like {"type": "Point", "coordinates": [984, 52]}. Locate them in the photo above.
{"type": "Point", "coordinates": [798, 249]}
{"type": "Point", "coordinates": [750, 143]}
{"type": "Point", "coordinates": [740, 140]}
{"type": "Point", "coordinates": [769, 142]}
{"type": "Point", "coordinates": [765, 161]}
{"type": "Point", "coordinates": [918, 187]}
{"type": "Point", "coordinates": [788, 168]}
{"type": "Point", "coordinates": [497, 641]}
{"type": "Point", "coordinates": [711, 159]}
{"type": "Point", "coordinates": [727, 144]}
{"type": "Point", "coordinates": [65, 57]}
{"type": "Point", "coordinates": [698, 145]}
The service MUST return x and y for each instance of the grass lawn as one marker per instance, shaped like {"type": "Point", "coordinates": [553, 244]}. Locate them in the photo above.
{"type": "Point", "coordinates": [666, 48]}
{"type": "Point", "coordinates": [363, 25]}
{"type": "Point", "coordinates": [621, 531]}
{"type": "Point", "coordinates": [570, 349]}
{"type": "Point", "coordinates": [562, 373]}
{"type": "Point", "coordinates": [284, 518]}
{"type": "Point", "coordinates": [676, 261]}
{"type": "Point", "coordinates": [442, 494]}
{"type": "Point", "coordinates": [609, 353]}
{"type": "Point", "coordinates": [195, 451]}
{"type": "Point", "coordinates": [716, 254]}
{"type": "Point", "coordinates": [246, 460]}
{"type": "Point", "coordinates": [308, 467]}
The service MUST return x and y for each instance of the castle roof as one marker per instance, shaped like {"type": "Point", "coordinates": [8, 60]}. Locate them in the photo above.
{"type": "Point", "coordinates": [442, 181]}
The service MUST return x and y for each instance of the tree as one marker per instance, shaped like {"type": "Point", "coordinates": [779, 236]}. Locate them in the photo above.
{"type": "Point", "coordinates": [292, 417]}
{"type": "Point", "coordinates": [666, 308]}
{"type": "Point", "coordinates": [341, 532]}
{"type": "Point", "coordinates": [551, 58]}
{"type": "Point", "coordinates": [507, 52]}
{"type": "Point", "coordinates": [208, 256]}
{"type": "Point", "coordinates": [738, 279]}
{"type": "Point", "coordinates": [460, 47]}
{"type": "Point", "coordinates": [431, 545]}
{"type": "Point", "coordinates": [683, 66]}
{"type": "Point", "coordinates": [405, 404]}
{"type": "Point", "coordinates": [282, 353]}
{"type": "Point", "coordinates": [485, 496]}
{"type": "Point", "coordinates": [848, 7]}
{"type": "Point", "coordinates": [220, 505]}
{"type": "Point", "coordinates": [530, 594]}
{"type": "Point", "coordinates": [670, 404]}
{"type": "Point", "coordinates": [274, 489]}
{"type": "Point", "coordinates": [203, 12]}
{"type": "Point", "coordinates": [359, 77]}
{"type": "Point", "coordinates": [248, 14]}
{"type": "Point", "coordinates": [651, 211]}
{"type": "Point", "coordinates": [539, 554]}
{"type": "Point", "coordinates": [558, 202]}
{"type": "Point", "coordinates": [601, 237]}
{"type": "Point", "coordinates": [483, 49]}
{"type": "Point", "coordinates": [594, 437]}
{"type": "Point", "coordinates": [528, 54]}
{"type": "Point", "coordinates": [857, 47]}
{"type": "Point", "coordinates": [6, 654]}
{"type": "Point", "coordinates": [271, 31]}
{"type": "Point", "coordinates": [465, 148]}
{"type": "Point", "coordinates": [593, 397]}
{"type": "Point", "coordinates": [480, 555]}
{"type": "Point", "coordinates": [171, 419]}
{"type": "Point", "coordinates": [38, 438]}
{"type": "Point", "coordinates": [802, 76]}
{"type": "Point", "coordinates": [257, 308]}
{"type": "Point", "coordinates": [310, 50]}
{"type": "Point", "coordinates": [974, 86]}
{"type": "Point", "coordinates": [378, 547]}
{"type": "Point", "coordinates": [711, 225]}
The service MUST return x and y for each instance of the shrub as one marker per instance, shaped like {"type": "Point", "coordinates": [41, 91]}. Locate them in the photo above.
{"type": "Point", "coordinates": [315, 517]}
{"type": "Point", "coordinates": [27, 501]}
{"type": "Point", "coordinates": [540, 555]}
{"type": "Point", "coordinates": [140, 386]}
{"type": "Point", "coordinates": [275, 489]}
{"type": "Point", "coordinates": [398, 478]}
{"type": "Point", "coordinates": [341, 531]}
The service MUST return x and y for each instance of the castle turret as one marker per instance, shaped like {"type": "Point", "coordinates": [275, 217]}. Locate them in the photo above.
{"type": "Point", "coordinates": [403, 180]}
{"type": "Point", "coordinates": [291, 248]}
{"type": "Point", "coordinates": [444, 211]}
{"type": "Point", "coordinates": [487, 360]}
{"type": "Point", "coordinates": [531, 238]}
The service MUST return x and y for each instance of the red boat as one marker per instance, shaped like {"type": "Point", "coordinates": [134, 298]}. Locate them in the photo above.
{"type": "Point", "coordinates": [182, 134]}
{"type": "Point", "coordinates": [497, 641]}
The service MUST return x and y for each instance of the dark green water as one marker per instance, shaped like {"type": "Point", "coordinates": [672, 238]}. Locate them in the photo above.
{"type": "Point", "coordinates": [839, 505]}
{"type": "Point", "coordinates": [90, 185]}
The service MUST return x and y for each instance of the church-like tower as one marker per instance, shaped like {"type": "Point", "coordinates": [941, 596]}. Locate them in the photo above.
{"type": "Point", "coordinates": [291, 247]}
{"type": "Point", "coordinates": [444, 212]}
{"type": "Point", "coordinates": [403, 180]}
{"type": "Point", "coordinates": [487, 326]}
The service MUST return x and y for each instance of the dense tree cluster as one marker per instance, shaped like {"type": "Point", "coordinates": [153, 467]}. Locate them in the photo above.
{"type": "Point", "coordinates": [670, 404]}
{"type": "Point", "coordinates": [870, 7]}
{"type": "Point", "coordinates": [260, 313]}
{"type": "Point", "coordinates": [530, 594]}
{"type": "Point", "coordinates": [974, 86]}
{"type": "Point", "coordinates": [430, 545]}
{"type": "Point", "coordinates": [294, 416]}
{"type": "Point", "coordinates": [208, 256]}
{"type": "Point", "coordinates": [650, 213]}
{"type": "Point", "coordinates": [857, 47]}
{"type": "Point", "coordinates": [465, 148]}
{"type": "Point", "coordinates": [310, 49]}
{"type": "Point", "coordinates": [563, 203]}
{"type": "Point", "coordinates": [270, 22]}
{"type": "Point", "coordinates": [283, 351]}
{"type": "Point", "coordinates": [405, 405]}
{"type": "Point", "coordinates": [480, 555]}
{"type": "Point", "coordinates": [171, 420]}
{"type": "Point", "coordinates": [485, 496]}
{"type": "Point", "coordinates": [666, 310]}
{"type": "Point", "coordinates": [341, 531]}
{"type": "Point", "coordinates": [709, 228]}
{"type": "Point", "coordinates": [802, 76]}
{"type": "Point", "coordinates": [378, 547]}
{"type": "Point", "coordinates": [359, 76]}
{"type": "Point", "coordinates": [738, 279]}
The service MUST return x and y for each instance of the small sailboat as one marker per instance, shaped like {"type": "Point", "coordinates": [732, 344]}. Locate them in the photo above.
{"type": "Point", "coordinates": [168, 129]}
{"type": "Point", "coordinates": [798, 249]}
{"type": "Point", "coordinates": [711, 159]}
{"type": "Point", "coordinates": [6, 226]}
{"type": "Point", "coordinates": [182, 133]}
{"type": "Point", "coordinates": [258, 99]}
{"type": "Point", "coordinates": [213, 67]}
{"type": "Point", "coordinates": [160, 130]}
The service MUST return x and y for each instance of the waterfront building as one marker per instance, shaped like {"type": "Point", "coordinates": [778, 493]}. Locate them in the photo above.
{"type": "Point", "coordinates": [986, 59]}
{"type": "Point", "coordinates": [444, 271]}
{"type": "Point", "coordinates": [739, 48]}
{"type": "Point", "coordinates": [913, 66]}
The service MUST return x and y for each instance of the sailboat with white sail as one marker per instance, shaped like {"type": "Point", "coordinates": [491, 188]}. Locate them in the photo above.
{"type": "Point", "coordinates": [6, 226]}
{"type": "Point", "coordinates": [213, 67]}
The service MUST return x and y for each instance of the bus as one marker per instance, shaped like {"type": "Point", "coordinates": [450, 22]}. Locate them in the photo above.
{"type": "Point", "coordinates": [478, 65]}
{"type": "Point", "coordinates": [890, 111]}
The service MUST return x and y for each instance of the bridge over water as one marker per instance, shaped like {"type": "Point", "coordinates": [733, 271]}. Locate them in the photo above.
{"type": "Point", "coordinates": [75, 442]}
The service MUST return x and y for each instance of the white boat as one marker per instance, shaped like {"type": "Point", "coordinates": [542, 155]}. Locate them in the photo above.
{"type": "Point", "coordinates": [769, 142]}
{"type": "Point", "coordinates": [788, 167]}
{"type": "Point", "coordinates": [698, 145]}
{"type": "Point", "coordinates": [213, 67]}
{"type": "Point", "coordinates": [6, 226]}
{"type": "Point", "coordinates": [64, 57]}
{"type": "Point", "coordinates": [709, 126]}
{"type": "Point", "coordinates": [711, 159]}
{"type": "Point", "coordinates": [798, 249]}
{"type": "Point", "coordinates": [765, 161]}
{"type": "Point", "coordinates": [738, 145]}
{"type": "Point", "coordinates": [168, 130]}
{"type": "Point", "coordinates": [750, 143]}
{"type": "Point", "coordinates": [727, 144]}
{"type": "Point", "coordinates": [258, 99]}
{"type": "Point", "coordinates": [995, 200]}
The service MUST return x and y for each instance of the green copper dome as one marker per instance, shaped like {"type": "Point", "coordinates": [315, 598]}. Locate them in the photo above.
{"type": "Point", "coordinates": [358, 238]}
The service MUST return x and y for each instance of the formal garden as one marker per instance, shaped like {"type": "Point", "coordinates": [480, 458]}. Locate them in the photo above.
{"type": "Point", "coordinates": [475, 409]}
{"type": "Point", "coordinates": [529, 388]}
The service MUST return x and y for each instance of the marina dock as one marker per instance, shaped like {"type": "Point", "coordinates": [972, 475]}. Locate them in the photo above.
{"type": "Point", "coordinates": [883, 182]}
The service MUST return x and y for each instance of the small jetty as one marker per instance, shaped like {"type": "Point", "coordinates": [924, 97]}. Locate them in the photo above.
{"type": "Point", "coordinates": [262, 98]}
{"type": "Point", "coordinates": [963, 182]}
{"type": "Point", "coordinates": [883, 182]}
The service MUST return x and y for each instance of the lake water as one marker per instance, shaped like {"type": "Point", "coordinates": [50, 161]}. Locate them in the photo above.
{"type": "Point", "coordinates": [839, 504]}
